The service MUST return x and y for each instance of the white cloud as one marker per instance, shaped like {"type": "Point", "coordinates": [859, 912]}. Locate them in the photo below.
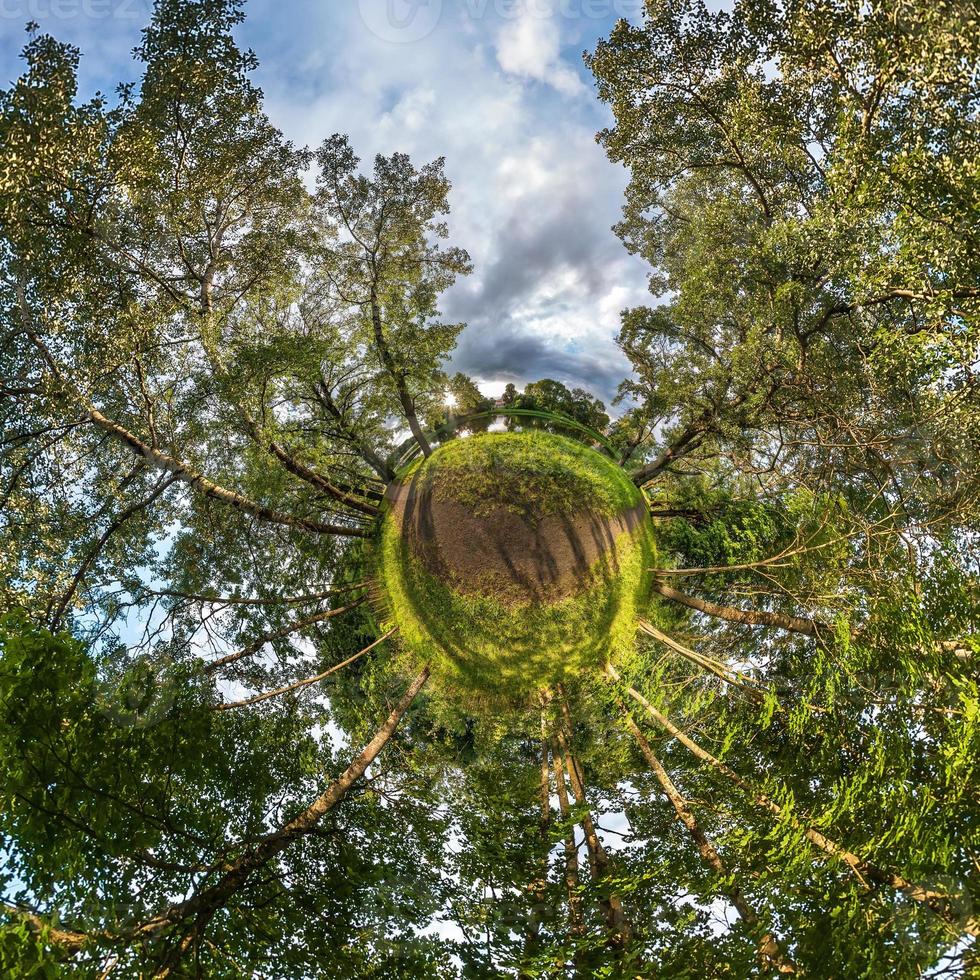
{"type": "Point", "coordinates": [533, 196]}
{"type": "Point", "coordinates": [530, 46]}
{"type": "Point", "coordinates": [411, 113]}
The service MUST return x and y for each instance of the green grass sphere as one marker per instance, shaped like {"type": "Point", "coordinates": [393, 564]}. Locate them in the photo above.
{"type": "Point", "coordinates": [513, 561]}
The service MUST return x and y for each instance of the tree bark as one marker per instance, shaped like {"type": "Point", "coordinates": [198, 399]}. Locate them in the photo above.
{"type": "Point", "coordinates": [265, 638]}
{"type": "Point", "coordinates": [398, 377]}
{"type": "Point", "coordinates": [751, 617]}
{"type": "Point", "coordinates": [202, 905]}
{"type": "Point", "coordinates": [612, 906]}
{"type": "Point", "coordinates": [769, 951]}
{"type": "Point", "coordinates": [938, 902]}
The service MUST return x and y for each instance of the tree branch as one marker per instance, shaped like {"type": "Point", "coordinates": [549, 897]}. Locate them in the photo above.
{"type": "Point", "coordinates": [265, 638]}
{"type": "Point", "coordinates": [306, 681]}
{"type": "Point", "coordinates": [769, 950]}
{"type": "Point", "coordinates": [219, 600]}
{"type": "Point", "coordinates": [120, 520]}
{"type": "Point", "coordinates": [938, 902]}
{"type": "Point", "coordinates": [203, 904]}
{"type": "Point", "coordinates": [184, 471]}
{"type": "Point", "coordinates": [750, 617]}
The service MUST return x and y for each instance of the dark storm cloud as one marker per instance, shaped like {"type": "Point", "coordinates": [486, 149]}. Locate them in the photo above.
{"type": "Point", "coordinates": [533, 195]}
{"type": "Point", "coordinates": [564, 241]}
{"type": "Point", "coordinates": [530, 248]}
{"type": "Point", "coordinates": [506, 351]}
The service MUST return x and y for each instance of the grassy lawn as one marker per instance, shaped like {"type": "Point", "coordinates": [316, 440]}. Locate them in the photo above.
{"type": "Point", "coordinates": [490, 649]}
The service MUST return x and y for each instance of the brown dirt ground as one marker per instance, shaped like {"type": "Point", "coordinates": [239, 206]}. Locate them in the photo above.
{"type": "Point", "coordinates": [500, 553]}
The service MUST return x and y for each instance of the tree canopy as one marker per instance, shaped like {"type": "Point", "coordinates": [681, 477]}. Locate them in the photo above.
{"type": "Point", "coordinates": [221, 351]}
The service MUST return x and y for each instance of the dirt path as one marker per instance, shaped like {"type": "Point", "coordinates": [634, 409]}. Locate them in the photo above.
{"type": "Point", "coordinates": [499, 552]}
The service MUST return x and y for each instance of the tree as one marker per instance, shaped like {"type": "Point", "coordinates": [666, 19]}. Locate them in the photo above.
{"type": "Point", "coordinates": [388, 269]}
{"type": "Point", "coordinates": [809, 223]}
{"type": "Point", "coordinates": [174, 426]}
{"type": "Point", "coordinates": [800, 187]}
{"type": "Point", "coordinates": [547, 395]}
{"type": "Point", "coordinates": [217, 756]}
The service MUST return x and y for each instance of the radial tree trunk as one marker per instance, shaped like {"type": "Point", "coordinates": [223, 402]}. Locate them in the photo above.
{"type": "Point", "coordinates": [398, 377]}
{"type": "Point", "coordinates": [612, 907]}
{"type": "Point", "coordinates": [182, 470]}
{"type": "Point", "coordinates": [940, 903]}
{"type": "Point", "coordinates": [366, 451]}
{"type": "Point", "coordinates": [575, 925]}
{"type": "Point", "coordinates": [201, 907]}
{"type": "Point", "coordinates": [538, 888]}
{"type": "Point", "coordinates": [720, 670]}
{"type": "Point", "coordinates": [750, 617]}
{"type": "Point", "coordinates": [769, 951]}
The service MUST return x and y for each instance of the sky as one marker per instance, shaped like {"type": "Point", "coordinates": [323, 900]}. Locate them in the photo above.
{"type": "Point", "coordinates": [498, 88]}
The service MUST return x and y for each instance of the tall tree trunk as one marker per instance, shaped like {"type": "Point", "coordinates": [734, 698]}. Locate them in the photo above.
{"type": "Point", "coordinates": [576, 926]}
{"type": "Point", "coordinates": [182, 470]}
{"type": "Point", "coordinates": [368, 454]}
{"type": "Point", "coordinates": [751, 617]}
{"type": "Point", "coordinates": [538, 888]}
{"type": "Point", "coordinates": [721, 671]}
{"type": "Point", "coordinates": [686, 442]}
{"type": "Point", "coordinates": [398, 377]}
{"type": "Point", "coordinates": [938, 902]}
{"type": "Point", "coordinates": [200, 907]}
{"type": "Point", "coordinates": [612, 906]}
{"type": "Point", "coordinates": [769, 951]}
{"type": "Point", "coordinates": [313, 478]}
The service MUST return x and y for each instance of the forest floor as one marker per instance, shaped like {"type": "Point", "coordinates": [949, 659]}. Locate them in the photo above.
{"type": "Point", "coordinates": [519, 557]}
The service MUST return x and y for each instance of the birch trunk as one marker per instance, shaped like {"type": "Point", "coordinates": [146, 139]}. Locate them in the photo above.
{"type": "Point", "coordinates": [769, 951]}
{"type": "Point", "coordinates": [940, 903]}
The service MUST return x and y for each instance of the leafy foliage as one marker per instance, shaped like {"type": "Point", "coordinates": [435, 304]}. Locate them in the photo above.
{"type": "Point", "coordinates": [208, 375]}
